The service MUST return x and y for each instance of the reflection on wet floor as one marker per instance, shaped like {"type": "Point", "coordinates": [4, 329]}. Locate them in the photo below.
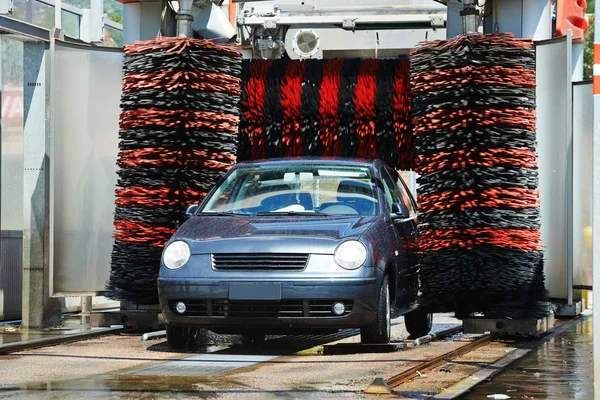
{"type": "Point", "coordinates": [12, 332]}
{"type": "Point", "coordinates": [174, 378]}
{"type": "Point", "coordinates": [559, 369]}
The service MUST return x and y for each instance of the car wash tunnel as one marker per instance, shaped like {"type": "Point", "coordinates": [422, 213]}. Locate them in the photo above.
{"type": "Point", "coordinates": [299, 199]}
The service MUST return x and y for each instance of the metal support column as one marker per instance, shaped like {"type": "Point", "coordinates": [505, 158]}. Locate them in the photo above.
{"type": "Point", "coordinates": [596, 213]}
{"type": "Point", "coordinates": [39, 310]}
{"type": "Point", "coordinates": [569, 174]}
{"type": "Point", "coordinates": [577, 63]}
{"type": "Point", "coordinates": [86, 309]}
{"type": "Point", "coordinates": [454, 20]}
{"type": "Point", "coordinates": [525, 18]}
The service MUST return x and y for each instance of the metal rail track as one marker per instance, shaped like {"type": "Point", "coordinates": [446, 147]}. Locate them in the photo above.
{"type": "Point", "coordinates": [428, 365]}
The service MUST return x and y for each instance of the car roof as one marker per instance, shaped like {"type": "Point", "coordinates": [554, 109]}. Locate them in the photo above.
{"type": "Point", "coordinates": [313, 160]}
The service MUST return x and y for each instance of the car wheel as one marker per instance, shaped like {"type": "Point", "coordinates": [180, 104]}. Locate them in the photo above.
{"type": "Point", "coordinates": [418, 323]}
{"type": "Point", "coordinates": [181, 338]}
{"type": "Point", "coordinates": [380, 331]}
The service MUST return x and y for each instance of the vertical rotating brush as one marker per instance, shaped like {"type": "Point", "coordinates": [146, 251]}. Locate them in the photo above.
{"type": "Point", "coordinates": [178, 132]}
{"type": "Point", "coordinates": [473, 105]}
{"type": "Point", "coordinates": [335, 107]}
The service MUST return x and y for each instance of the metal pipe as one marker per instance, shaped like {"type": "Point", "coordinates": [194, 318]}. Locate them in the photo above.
{"type": "Point", "coordinates": [596, 211]}
{"type": "Point", "coordinates": [569, 172]}
{"type": "Point", "coordinates": [184, 19]}
{"type": "Point", "coordinates": [470, 16]}
{"type": "Point", "coordinates": [436, 335]}
{"type": "Point", "coordinates": [153, 335]}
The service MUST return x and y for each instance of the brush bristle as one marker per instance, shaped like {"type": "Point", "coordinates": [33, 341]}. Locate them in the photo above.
{"type": "Point", "coordinates": [473, 111]}
{"type": "Point", "coordinates": [348, 108]}
{"type": "Point", "coordinates": [178, 136]}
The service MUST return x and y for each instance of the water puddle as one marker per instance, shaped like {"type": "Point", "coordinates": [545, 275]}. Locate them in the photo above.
{"type": "Point", "coordinates": [559, 369]}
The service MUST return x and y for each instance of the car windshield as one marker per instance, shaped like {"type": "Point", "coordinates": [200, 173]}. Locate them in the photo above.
{"type": "Point", "coordinates": [289, 189]}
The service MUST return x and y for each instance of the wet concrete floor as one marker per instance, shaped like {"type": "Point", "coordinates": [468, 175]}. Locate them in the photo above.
{"type": "Point", "coordinates": [10, 332]}
{"type": "Point", "coordinates": [288, 367]}
{"type": "Point", "coordinates": [560, 369]}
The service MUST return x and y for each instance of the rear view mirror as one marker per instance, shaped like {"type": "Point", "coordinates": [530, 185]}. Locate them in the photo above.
{"type": "Point", "coordinates": [191, 210]}
{"type": "Point", "coordinates": [298, 177]}
{"type": "Point", "coordinates": [400, 210]}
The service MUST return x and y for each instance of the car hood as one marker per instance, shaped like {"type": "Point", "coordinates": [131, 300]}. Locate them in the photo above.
{"type": "Point", "coordinates": [240, 234]}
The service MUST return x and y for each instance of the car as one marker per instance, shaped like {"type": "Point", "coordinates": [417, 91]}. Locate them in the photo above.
{"type": "Point", "coordinates": [295, 246]}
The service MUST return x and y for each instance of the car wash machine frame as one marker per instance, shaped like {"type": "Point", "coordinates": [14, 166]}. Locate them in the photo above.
{"type": "Point", "coordinates": [317, 29]}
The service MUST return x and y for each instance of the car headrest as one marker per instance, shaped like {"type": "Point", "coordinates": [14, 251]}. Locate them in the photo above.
{"type": "Point", "coordinates": [346, 188]}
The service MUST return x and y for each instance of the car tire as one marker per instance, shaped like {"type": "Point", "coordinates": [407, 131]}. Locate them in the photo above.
{"type": "Point", "coordinates": [418, 323]}
{"type": "Point", "coordinates": [181, 338]}
{"type": "Point", "coordinates": [379, 332]}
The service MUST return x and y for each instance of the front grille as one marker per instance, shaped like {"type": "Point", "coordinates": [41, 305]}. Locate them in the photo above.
{"type": "Point", "coordinates": [257, 309]}
{"type": "Point", "coordinates": [260, 261]}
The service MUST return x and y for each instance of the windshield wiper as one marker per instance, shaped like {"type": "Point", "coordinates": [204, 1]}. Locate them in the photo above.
{"type": "Point", "coordinates": [223, 213]}
{"type": "Point", "coordinates": [294, 213]}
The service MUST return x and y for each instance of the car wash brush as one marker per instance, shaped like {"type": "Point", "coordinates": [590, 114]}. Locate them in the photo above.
{"type": "Point", "coordinates": [178, 136]}
{"type": "Point", "coordinates": [335, 107]}
{"type": "Point", "coordinates": [473, 108]}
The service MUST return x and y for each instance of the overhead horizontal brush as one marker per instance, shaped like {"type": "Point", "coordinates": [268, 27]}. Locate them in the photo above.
{"type": "Point", "coordinates": [335, 107]}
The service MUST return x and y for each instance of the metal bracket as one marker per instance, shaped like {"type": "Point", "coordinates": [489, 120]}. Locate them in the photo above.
{"type": "Point", "coordinates": [6, 7]}
{"type": "Point", "coordinates": [270, 24]}
{"type": "Point", "coordinates": [270, 47]}
{"type": "Point", "coordinates": [349, 23]}
{"type": "Point", "coordinates": [565, 310]}
{"type": "Point", "coordinates": [469, 11]}
{"type": "Point", "coordinates": [437, 21]}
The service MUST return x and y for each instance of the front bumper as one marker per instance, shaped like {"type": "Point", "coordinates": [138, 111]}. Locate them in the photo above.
{"type": "Point", "coordinates": [303, 305]}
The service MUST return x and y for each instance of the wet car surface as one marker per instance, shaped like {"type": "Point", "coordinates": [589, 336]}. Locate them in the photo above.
{"type": "Point", "coordinates": [295, 246]}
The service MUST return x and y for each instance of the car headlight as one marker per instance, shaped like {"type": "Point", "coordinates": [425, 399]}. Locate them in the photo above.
{"type": "Point", "coordinates": [350, 255]}
{"type": "Point", "coordinates": [176, 254]}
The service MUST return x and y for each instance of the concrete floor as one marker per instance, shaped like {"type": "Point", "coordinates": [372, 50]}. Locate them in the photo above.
{"type": "Point", "coordinates": [122, 366]}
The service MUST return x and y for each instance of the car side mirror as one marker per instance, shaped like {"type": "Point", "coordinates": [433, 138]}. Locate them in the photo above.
{"type": "Point", "coordinates": [400, 210]}
{"type": "Point", "coordinates": [191, 210]}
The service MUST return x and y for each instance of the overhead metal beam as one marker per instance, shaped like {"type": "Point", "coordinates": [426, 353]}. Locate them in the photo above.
{"type": "Point", "coordinates": [339, 19]}
{"type": "Point", "coordinates": [14, 26]}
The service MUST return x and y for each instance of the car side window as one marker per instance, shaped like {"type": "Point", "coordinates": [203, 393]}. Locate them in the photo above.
{"type": "Point", "coordinates": [392, 193]}
{"type": "Point", "coordinates": [398, 192]}
{"type": "Point", "coordinates": [406, 196]}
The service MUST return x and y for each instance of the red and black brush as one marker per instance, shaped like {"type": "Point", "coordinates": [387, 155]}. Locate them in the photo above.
{"type": "Point", "coordinates": [331, 107]}
{"type": "Point", "coordinates": [178, 132]}
{"type": "Point", "coordinates": [473, 105]}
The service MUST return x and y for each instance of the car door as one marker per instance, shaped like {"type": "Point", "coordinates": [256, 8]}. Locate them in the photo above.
{"type": "Point", "coordinates": [406, 228]}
